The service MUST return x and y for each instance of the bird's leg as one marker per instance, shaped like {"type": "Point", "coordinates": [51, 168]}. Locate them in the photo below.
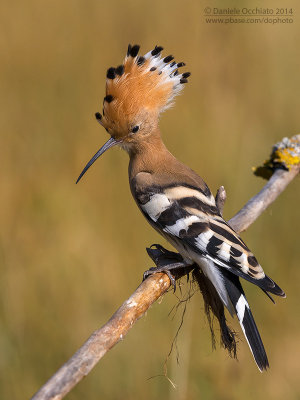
{"type": "Point", "coordinates": [167, 261]}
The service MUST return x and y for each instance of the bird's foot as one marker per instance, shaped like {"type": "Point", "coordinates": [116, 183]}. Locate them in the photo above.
{"type": "Point", "coordinates": [166, 261]}
{"type": "Point", "coordinates": [154, 270]}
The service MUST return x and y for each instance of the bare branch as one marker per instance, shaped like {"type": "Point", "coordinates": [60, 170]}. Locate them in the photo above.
{"type": "Point", "coordinates": [255, 206]}
{"type": "Point", "coordinates": [221, 198]}
{"type": "Point", "coordinates": [281, 167]}
{"type": "Point", "coordinates": [103, 339]}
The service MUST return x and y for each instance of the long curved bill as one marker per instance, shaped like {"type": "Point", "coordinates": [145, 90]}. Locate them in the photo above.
{"type": "Point", "coordinates": [110, 143]}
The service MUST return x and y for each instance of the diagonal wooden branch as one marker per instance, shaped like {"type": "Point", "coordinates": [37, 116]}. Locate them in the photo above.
{"type": "Point", "coordinates": [103, 339]}
{"type": "Point", "coordinates": [255, 206]}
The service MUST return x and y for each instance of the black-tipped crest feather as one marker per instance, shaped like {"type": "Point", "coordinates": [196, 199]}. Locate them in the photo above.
{"type": "Point", "coordinates": [134, 50]}
{"type": "Point", "coordinates": [111, 73]}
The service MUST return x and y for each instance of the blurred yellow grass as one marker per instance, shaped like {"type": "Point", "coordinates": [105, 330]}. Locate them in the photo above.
{"type": "Point", "coordinates": [71, 254]}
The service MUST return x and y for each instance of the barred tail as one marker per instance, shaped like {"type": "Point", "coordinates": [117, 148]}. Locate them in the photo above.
{"type": "Point", "coordinates": [246, 320]}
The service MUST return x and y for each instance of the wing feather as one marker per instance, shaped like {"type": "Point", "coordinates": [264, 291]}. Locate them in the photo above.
{"type": "Point", "coordinates": [190, 215]}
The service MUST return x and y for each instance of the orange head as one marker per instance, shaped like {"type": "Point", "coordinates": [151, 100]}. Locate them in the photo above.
{"type": "Point", "coordinates": [136, 93]}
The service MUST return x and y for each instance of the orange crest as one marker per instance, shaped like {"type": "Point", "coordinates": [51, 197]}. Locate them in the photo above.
{"type": "Point", "coordinates": [142, 83]}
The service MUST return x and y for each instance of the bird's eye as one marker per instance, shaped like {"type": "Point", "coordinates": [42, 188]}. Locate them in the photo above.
{"type": "Point", "coordinates": [135, 129]}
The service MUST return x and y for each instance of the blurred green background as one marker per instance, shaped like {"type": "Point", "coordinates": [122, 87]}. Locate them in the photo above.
{"type": "Point", "coordinates": [70, 255]}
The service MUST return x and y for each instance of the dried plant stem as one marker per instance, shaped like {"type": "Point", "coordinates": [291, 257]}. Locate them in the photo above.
{"type": "Point", "coordinates": [103, 339]}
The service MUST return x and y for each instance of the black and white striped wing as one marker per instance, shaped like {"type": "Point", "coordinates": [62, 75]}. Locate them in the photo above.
{"type": "Point", "coordinates": [189, 216]}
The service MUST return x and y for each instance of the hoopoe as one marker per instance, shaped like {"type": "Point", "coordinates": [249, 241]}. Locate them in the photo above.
{"type": "Point", "coordinates": [173, 198]}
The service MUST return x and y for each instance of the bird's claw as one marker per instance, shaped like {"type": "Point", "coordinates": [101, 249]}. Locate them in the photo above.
{"type": "Point", "coordinates": [165, 269]}
{"type": "Point", "coordinates": [166, 261]}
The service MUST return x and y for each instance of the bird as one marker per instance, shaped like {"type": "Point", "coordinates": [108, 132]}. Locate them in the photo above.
{"type": "Point", "coordinates": [174, 199]}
